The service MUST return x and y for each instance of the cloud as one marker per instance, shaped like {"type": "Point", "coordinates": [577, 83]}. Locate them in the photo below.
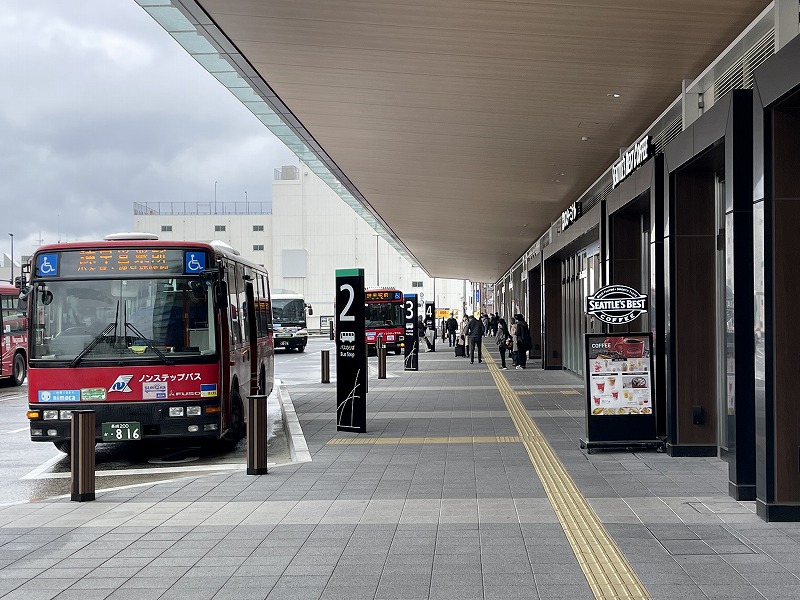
{"type": "Point", "coordinates": [101, 108]}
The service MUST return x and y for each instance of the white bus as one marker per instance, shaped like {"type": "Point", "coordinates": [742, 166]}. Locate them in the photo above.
{"type": "Point", "coordinates": [289, 310]}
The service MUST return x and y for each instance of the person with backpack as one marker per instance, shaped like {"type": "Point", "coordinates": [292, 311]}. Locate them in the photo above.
{"type": "Point", "coordinates": [501, 339]}
{"type": "Point", "coordinates": [522, 343]}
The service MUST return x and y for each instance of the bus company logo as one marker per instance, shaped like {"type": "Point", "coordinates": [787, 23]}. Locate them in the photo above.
{"type": "Point", "coordinates": [121, 384]}
{"type": "Point", "coordinates": [616, 304]}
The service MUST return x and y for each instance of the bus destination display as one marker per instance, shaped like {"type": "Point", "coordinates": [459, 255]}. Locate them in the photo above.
{"type": "Point", "coordinates": [383, 295]}
{"type": "Point", "coordinates": [129, 262]}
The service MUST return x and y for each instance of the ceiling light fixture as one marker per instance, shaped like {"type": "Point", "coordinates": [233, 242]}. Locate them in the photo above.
{"type": "Point", "coordinates": [585, 138]}
{"type": "Point", "coordinates": [613, 95]}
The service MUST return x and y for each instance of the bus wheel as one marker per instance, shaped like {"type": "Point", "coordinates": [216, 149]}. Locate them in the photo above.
{"type": "Point", "coordinates": [301, 348]}
{"type": "Point", "coordinates": [64, 446]}
{"type": "Point", "coordinates": [20, 369]}
{"type": "Point", "coordinates": [236, 429]}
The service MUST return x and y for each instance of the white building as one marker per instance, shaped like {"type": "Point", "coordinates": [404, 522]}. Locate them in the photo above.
{"type": "Point", "coordinates": [309, 234]}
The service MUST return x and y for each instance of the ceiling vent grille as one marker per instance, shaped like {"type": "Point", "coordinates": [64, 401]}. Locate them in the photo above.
{"type": "Point", "coordinates": [740, 74]}
{"type": "Point", "coordinates": [666, 135]}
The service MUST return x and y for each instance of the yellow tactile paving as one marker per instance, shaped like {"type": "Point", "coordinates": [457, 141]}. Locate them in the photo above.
{"type": "Point", "coordinates": [609, 574]}
{"type": "Point", "coordinates": [465, 439]}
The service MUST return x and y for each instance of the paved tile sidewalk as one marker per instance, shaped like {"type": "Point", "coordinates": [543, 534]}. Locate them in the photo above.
{"type": "Point", "coordinates": [406, 521]}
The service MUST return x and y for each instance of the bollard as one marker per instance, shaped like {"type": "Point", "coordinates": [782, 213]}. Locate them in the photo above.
{"type": "Point", "coordinates": [331, 328]}
{"type": "Point", "coordinates": [82, 456]}
{"type": "Point", "coordinates": [257, 434]}
{"type": "Point", "coordinates": [382, 362]}
{"type": "Point", "coordinates": [326, 366]}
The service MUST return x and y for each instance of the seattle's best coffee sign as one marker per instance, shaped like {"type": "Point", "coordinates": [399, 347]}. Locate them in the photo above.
{"type": "Point", "coordinates": [616, 304]}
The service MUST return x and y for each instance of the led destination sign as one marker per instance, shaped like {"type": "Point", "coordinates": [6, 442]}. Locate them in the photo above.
{"type": "Point", "coordinates": [383, 295]}
{"type": "Point", "coordinates": [127, 262]}
{"type": "Point", "coordinates": [615, 304]}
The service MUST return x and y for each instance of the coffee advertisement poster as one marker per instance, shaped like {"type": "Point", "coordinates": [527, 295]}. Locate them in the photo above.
{"type": "Point", "coordinates": [619, 375]}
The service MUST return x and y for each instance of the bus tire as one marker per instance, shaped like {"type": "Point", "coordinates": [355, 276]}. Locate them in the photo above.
{"type": "Point", "coordinates": [301, 348]}
{"type": "Point", "coordinates": [64, 446]}
{"type": "Point", "coordinates": [236, 430]}
{"type": "Point", "coordinates": [20, 369]}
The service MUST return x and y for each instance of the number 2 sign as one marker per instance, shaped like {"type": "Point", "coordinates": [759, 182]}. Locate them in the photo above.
{"type": "Point", "coordinates": [351, 352]}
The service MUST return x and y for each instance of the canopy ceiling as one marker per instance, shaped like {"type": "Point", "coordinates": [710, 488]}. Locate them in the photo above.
{"type": "Point", "coordinates": [468, 126]}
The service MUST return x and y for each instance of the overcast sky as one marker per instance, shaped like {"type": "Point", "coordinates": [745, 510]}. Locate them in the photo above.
{"type": "Point", "coordinates": [101, 108]}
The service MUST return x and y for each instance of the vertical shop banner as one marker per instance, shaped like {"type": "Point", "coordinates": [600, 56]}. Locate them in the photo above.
{"type": "Point", "coordinates": [411, 347]}
{"type": "Point", "coordinates": [619, 389]}
{"type": "Point", "coordinates": [351, 352]}
{"type": "Point", "coordinates": [430, 324]}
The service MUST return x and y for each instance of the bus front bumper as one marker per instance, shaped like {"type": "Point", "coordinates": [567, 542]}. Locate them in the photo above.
{"type": "Point", "coordinates": [155, 420]}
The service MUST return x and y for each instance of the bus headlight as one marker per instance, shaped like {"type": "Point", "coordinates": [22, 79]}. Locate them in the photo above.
{"type": "Point", "coordinates": [301, 333]}
{"type": "Point", "coordinates": [65, 414]}
{"type": "Point", "coordinates": [175, 411]}
{"type": "Point", "coordinates": [193, 411]}
{"type": "Point", "coordinates": [51, 415]}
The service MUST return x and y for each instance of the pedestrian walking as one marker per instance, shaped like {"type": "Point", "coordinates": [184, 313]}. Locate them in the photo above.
{"type": "Point", "coordinates": [452, 329]}
{"type": "Point", "coordinates": [422, 332]}
{"type": "Point", "coordinates": [475, 335]}
{"type": "Point", "coordinates": [502, 338]}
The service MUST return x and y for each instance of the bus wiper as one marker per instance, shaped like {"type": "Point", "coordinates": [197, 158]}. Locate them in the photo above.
{"type": "Point", "coordinates": [97, 339]}
{"type": "Point", "coordinates": [148, 343]}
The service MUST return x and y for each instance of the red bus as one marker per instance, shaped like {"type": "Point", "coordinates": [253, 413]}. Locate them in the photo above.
{"type": "Point", "coordinates": [161, 339]}
{"type": "Point", "coordinates": [13, 335]}
{"type": "Point", "coordinates": [384, 317]}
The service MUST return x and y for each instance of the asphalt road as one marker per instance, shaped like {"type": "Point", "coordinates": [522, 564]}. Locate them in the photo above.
{"type": "Point", "coordinates": [31, 471]}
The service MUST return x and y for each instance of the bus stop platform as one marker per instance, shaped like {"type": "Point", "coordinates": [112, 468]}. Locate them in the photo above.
{"type": "Point", "coordinates": [470, 483]}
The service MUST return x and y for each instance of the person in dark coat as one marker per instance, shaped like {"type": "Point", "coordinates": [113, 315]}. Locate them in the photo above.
{"type": "Point", "coordinates": [475, 335]}
{"type": "Point", "coordinates": [500, 339]}
{"type": "Point", "coordinates": [452, 329]}
{"type": "Point", "coordinates": [522, 341]}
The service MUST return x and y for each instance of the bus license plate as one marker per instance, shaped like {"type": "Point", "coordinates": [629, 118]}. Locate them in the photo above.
{"type": "Point", "coordinates": [283, 343]}
{"type": "Point", "coordinates": [121, 432]}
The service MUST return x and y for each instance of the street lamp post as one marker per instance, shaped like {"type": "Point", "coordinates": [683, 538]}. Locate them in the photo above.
{"type": "Point", "coordinates": [11, 281]}
{"type": "Point", "coordinates": [215, 197]}
{"type": "Point", "coordinates": [246, 205]}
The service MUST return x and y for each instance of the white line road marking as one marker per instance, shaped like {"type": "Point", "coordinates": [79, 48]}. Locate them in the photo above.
{"type": "Point", "coordinates": [17, 430]}
{"type": "Point", "coordinates": [44, 466]}
{"type": "Point", "coordinates": [4, 398]}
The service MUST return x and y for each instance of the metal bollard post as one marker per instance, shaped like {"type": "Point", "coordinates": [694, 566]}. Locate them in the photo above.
{"type": "Point", "coordinates": [257, 434]}
{"type": "Point", "coordinates": [82, 456]}
{"type": "Point", "coordinates": [380, 352]}
{"type": "Point", "coordinates": [331, 329]}
{"type": "Point", "coordinates": [326, 366]}
{"type": "Point", "coordinates": [382, 362]}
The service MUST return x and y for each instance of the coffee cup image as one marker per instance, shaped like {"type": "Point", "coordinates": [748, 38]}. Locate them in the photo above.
{"type": "Point", "coordinates": [633, 347]}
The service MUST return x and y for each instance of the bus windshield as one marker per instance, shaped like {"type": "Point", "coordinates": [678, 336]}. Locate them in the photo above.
{"type": "Point", "coordinates": [383, 314]}
{"type": "Point", "coordinates": [289, 311]}
{"type": "Point", "coordinates": [111, 318]}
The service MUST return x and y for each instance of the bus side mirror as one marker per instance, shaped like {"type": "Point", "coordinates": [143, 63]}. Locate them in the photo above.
{"type": "Point", "coordinates": [309, 310]}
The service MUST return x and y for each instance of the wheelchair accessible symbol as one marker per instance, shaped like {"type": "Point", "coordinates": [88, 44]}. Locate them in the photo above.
{"type": "Point", "coordinates": [47, 265]}
{"type": "Point", "coordinates": [194, 262]}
